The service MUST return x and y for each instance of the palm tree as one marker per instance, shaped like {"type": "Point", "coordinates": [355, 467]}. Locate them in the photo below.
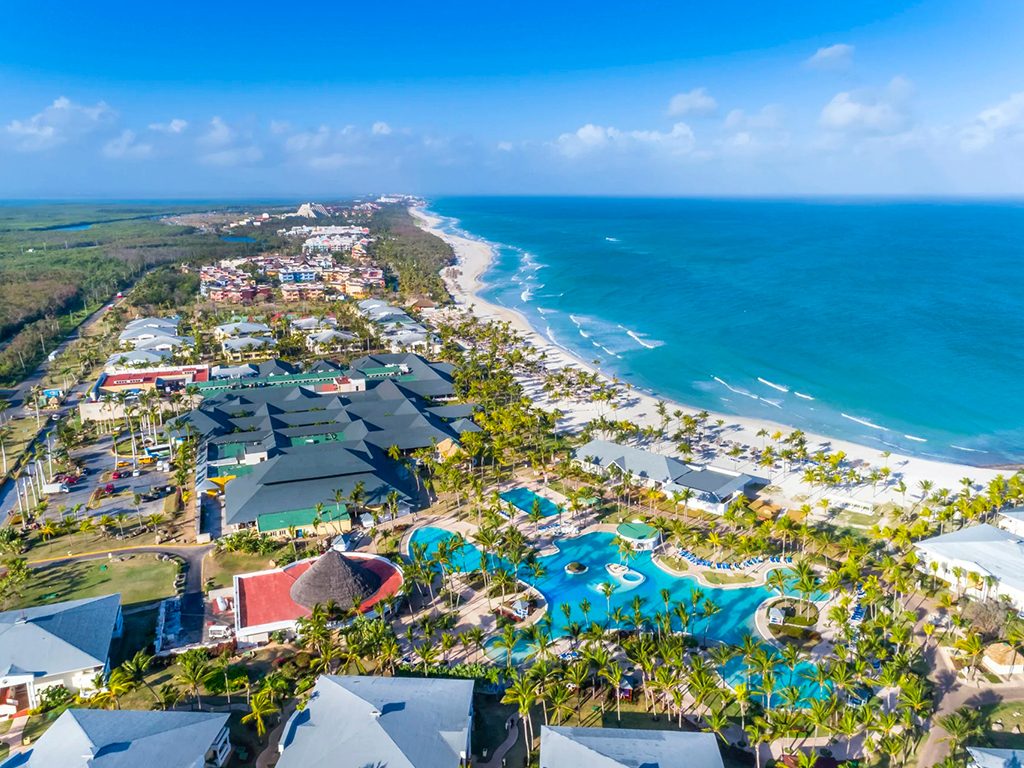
{"type": "Point", "coordinates": [261, 707]}
{"type": "Point", "coordinates": [135, 669]}
{"type": "Point", "coordinates": [522, 693]}
{"type": "Point", "coordinates": [194, 666]}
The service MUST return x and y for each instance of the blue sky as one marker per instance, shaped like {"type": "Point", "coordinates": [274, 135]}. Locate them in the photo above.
{"type": "Point", "coordinates": [727, 98]}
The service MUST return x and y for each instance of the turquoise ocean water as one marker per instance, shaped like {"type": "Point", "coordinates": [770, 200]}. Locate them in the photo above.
{"type": "Point", "coordinates": [895, 324]}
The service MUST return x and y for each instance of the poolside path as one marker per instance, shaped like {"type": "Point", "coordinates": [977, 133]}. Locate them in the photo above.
{"type": "Point", "coordinates": [505, 747]}
{"type": "Point", "coordinates": [13, 735]}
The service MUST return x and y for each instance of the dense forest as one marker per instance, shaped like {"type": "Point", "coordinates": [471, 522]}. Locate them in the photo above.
{"type": "Point", "coordinates": [414, 257]}
{"type": "Point", "coordinates": [59, 262]}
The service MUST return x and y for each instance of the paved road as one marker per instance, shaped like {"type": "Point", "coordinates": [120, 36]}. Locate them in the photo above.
{"type": "Point", "coordinates": [18, 395]}
{"type": "Point", "coordinates": [951, 693]}
{"type": "Point", "coordinates": [192, 554]}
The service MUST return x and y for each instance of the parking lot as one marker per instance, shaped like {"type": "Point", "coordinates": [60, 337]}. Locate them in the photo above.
{"type": "Point", "coordinates": [99, 462]}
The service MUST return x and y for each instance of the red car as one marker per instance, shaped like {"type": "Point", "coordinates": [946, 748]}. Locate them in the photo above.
{"type": "Point", "coordinates": [115, 475]}
{"type": "Point", "coordinates": [108, 488]}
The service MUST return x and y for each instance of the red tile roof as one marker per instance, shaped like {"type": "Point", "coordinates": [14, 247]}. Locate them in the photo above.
{"type": "Point", "coordinates": [265, 598]}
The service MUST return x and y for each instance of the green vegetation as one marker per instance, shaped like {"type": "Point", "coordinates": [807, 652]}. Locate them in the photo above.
{"type": "Point", "coordinates": [52, 278]}
{"type": "Point", "coordinates": [138, 578]}
{"type": "Point", "coordinates": [166, 288]}
{"type": "Point", "coordinates": [413, 257]}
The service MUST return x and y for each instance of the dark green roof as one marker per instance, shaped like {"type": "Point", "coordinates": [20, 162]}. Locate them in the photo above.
{"type": "Point", "coordinates": [299, 518]}
{"type": "Point", "coordinates": [638, 531]}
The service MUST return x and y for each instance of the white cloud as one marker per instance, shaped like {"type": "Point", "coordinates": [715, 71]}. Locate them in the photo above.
{"type": "Point", "coordinates": [219, 134]}
{"type": "Point", "coordinates": [868, 111]}
{"type": "Point", "coordinates": [836, 57]}
{"type": "Point", "coordinates": [226, 146]}
{"type": "Point", "coordinates": [59, 122]}
{"type": "Point", "coordinates": [695, 102]}
{"type": "Point", "coordinates": [125, 146]}
{"type": "Point", "coordinates": [234, 156]}
{"type": "Point", "coordinates": [380, 128]}
{"type": "Point", "coordinates": [590, 138]}
{"type": "Point", "coordinates": [1005, 120]}
{"type": "Point", "coordinates": [768, 117]}
{"type": "Point", "coordinates": [176, 125]}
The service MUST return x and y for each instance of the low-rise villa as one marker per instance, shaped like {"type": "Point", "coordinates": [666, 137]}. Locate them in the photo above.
{"type": "Point", "coordinates": [709, 489]}
{"type": "Point", "coordinates": [563, 747]}
{"type": "Point", "coordinates": [97, 738]}
{"type": "Point", "coordinates": [990, 559]}
{"type": "Point", "coordinates": [398, 722]}
{"type": "Point", "coordinates": [64, 644]}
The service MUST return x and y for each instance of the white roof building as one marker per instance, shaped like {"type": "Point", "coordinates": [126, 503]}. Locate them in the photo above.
{"type": "Point", "coordinates": [398, 722]}
{"type": "Point", "coordinates": [994, 554]}
{"type": "Point", "coordinates": [562, 747]}
{"type": "Point", "coordinates": [60, 644]}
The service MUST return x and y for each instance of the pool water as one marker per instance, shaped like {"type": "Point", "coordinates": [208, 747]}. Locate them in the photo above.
{"type": "Point", "coordinates": [597, 550]}
{"type": "Point", "coordinates": [523, 498]}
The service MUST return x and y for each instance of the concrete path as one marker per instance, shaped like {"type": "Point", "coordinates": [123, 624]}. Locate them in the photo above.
{"type": "Point", "coordinates": [505, 746]}
{"type": "Point", "coordinates": [13, 735]}
{"type": "Point", "coordinates": [951, 693]}
{"type": "Point", "coordinates": [269, 756]}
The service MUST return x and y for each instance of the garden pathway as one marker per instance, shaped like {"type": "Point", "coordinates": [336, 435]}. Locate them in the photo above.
{"type": "Point", "coordinates": [505, 746]}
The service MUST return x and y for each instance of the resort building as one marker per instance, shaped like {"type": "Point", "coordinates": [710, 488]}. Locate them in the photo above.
{"type": "Point", "coordinates": [97, 738]}
{"type": "Point", "coordinates": [1011, 520]}
{"type": "Point", "coordinates": [711, 490]}
{"type": "Point", "coordinates": [988, 757]}
{"type": "Point", "coordinates": [396, 328]}
{"type": "Point", "coordinates": [563, 747]}
{"type": "Point", "coordinates": [980, 560]}
{"type": "Point", "coordinates": [64, 644]}
{"type": "Point", "coordinates": [641, 537]}
{"type": "Point", "coordinates": [248, 347]}
{"type": "Point", "coordinates": [398, 722]}
{"type": "Point", "coordinates": [240, 329]}
{"type": "Point", "coordinates": [274, 600]}
{"type": "Point", "coordinates": [281, 450]}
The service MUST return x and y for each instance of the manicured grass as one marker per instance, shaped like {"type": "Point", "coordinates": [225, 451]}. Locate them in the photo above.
{"type": "Point", "coordinates": [725, 577]}
{"type": "Point", "coordinates": [138, 579]}
{"type": "Point", "coordinates": [1011, 714]}
{"type": "Point", "coordinates": [37, 724]}
{"type": "Point", "coordinates": [219, 567]}
{"type": "Point", "coordinates": [21, 433]}
{"type": "Point", "coordinates": [139, 633]}
{"type": "Point", "coordinates": [82, 543]}
{"type": "Point", "coordinates": [675, 563]}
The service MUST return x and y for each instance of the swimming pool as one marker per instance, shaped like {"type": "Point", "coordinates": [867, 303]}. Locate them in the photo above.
{"type": "Point", "coordinates": [734, 619]}
{"type": "Point", "coordinates": [523, 499]}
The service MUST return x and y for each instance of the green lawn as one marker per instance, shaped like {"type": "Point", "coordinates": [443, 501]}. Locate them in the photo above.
{"type": "Point", "coordinates": [37, 724]}
{"type": "Point", "coordinates": [219, 567]}
{"type": "Point", "coordinates": [83, 543]}
{"type": "Point", "coordinates": [726, 577]}
{"type": "Point", "coordinates": [1011, 714]}
{"type": "Point", "coordinates": [138, 578]}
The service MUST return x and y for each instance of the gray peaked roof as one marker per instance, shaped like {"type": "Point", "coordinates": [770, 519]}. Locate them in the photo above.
{"type": "Point", "coordinates": [986, 757]}
{"type": "Point", "coordinates": [562, 747]}
{"type": "Point", "coordinates": [63, 637]}
{"type": "Point", "coordinates": [663, 469]}
{"type": "Point", "coordinates": [397, 722]}
{"type": "Point", "coordinates": [96, 738]}
{"type": "Point", "coordinates": [988, 550]}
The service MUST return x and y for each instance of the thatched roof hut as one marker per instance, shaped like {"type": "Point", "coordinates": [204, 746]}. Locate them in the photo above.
{"type": "Point", "coordinates": [334, 577]}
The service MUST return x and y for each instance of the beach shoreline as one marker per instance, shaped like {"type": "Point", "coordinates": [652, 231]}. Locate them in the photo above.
{"type": "Point", "coordinates": [465, 283]}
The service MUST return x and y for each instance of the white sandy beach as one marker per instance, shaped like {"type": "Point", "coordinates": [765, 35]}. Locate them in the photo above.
{"type": "Point", "coordinates": [465, 282]}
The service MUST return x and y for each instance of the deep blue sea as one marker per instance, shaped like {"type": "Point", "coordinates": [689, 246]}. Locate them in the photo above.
{"type": "Point", "coordinates": [896, 324]}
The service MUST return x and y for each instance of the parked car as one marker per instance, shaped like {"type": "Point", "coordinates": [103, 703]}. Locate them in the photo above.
{"type": "Point", "coordinates": [123, 464]}
{"type": "Point", "coordinates": [116, 475]}
{"type": "Point", "coordinates": [107, 489]}
{"type": "Point", "coordinates": [136, 472]}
